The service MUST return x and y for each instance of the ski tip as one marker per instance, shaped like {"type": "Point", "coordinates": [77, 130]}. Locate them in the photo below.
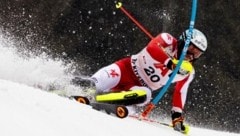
{"type": "Point", "coordinates": [187, 129]}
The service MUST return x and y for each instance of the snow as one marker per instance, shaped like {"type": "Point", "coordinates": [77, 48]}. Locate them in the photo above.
{"type": "Point", "coordinates": [28, 111]}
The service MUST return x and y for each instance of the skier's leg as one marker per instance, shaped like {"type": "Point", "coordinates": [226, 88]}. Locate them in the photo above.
{"type": "Point", "coordinates": [106, 78]}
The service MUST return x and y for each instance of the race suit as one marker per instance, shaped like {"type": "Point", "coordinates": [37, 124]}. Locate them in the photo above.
{"type": "Point", "coordinates": [147, 70]}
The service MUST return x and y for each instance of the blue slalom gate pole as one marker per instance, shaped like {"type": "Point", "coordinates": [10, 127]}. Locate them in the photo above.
{"type": "Point", "coordinates": [185, 48]}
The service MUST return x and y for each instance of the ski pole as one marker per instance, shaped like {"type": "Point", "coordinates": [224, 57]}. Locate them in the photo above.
{"type": "Point", "coordinates": [164, 89]}
{"type": "Point", "coordinates": [119, 6]}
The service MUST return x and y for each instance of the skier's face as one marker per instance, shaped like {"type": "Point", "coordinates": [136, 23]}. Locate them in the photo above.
{"type": "Point", "coordinates": [193, 53]}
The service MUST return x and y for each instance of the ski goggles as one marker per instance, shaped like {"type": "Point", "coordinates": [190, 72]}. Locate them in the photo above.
{"type": "Point", "coordinates": [194, 51]}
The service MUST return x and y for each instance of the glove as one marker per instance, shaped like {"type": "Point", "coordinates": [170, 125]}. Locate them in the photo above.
{"type": "Point", "coordinates": [177, 122]}
{"type": "Point", "coordinates": [185, 68]}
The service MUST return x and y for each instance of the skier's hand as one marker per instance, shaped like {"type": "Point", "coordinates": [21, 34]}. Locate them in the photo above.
{"type": "Point", "coordinates": [185, 68]}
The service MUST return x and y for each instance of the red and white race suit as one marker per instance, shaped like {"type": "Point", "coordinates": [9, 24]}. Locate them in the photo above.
{"type": "Point", "coordinates": [146, 70]}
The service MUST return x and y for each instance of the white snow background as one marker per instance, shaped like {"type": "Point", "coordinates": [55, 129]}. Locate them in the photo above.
{"type": "Point", "coordinates": [28, 111]}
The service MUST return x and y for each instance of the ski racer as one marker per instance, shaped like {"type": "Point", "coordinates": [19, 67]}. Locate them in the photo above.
{"type": "Point", "coordinates": [150, 69]}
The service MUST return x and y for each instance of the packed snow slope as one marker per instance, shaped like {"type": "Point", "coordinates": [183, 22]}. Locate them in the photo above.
{"type": "Point", "coordinates": [27, 111]}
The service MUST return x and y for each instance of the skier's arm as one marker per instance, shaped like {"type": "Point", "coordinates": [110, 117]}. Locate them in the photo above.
{"type": "Point", "coordinates": [156, 50]}
{"type": "Point", "coordinates": [162, 48]}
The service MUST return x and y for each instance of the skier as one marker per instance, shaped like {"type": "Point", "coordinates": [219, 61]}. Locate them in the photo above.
{"type": "Point", "coordinates": [151, 68]}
